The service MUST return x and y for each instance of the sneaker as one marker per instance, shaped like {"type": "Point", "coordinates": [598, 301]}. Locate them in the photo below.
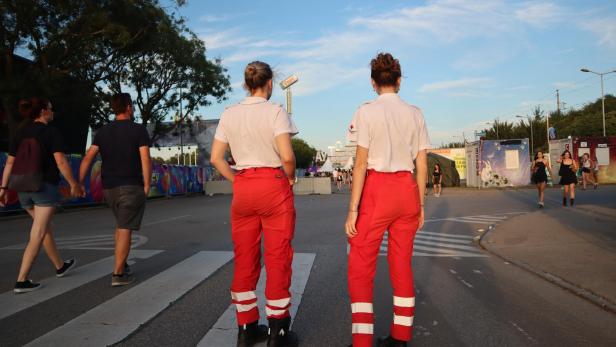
{"type": "Point", "coordinates": [121, 279]}
{"type": "Point", "coordinates": [250, 334]}
{"type": "Point", "coordinates": [540, 204]}
{"type": "Point", "coordinates": [390, 342]}
{"type": "Point", "coordinates": [66, 267]}
{"type": "Point", "coordinates": [26, 286]}
{"type": "Point", "coordinates": [127, 269]}
{"type": "Point", "coordinates": [280, 335]}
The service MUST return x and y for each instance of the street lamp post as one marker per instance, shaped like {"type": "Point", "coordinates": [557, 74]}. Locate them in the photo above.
{"type": "Point", "coordinates": [602, 94]}
{"type": "Point", "coordinates": [532, 147]}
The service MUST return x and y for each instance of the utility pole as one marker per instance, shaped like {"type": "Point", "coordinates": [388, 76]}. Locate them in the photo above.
{"type": "Point", "coordinates": [557, 101]}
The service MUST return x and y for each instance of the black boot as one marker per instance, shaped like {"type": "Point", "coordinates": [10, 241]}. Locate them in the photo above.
{"type": "Point", "coordinates": [250, 334]}
{"type": "Point", "coordinates": [390, 342]}
{"type": "Point", "coordinates": [564, 201]}
{"type": "Point", "coordinates": [280, 335]}
{"type": "Point", "coordinates": [571, 201]}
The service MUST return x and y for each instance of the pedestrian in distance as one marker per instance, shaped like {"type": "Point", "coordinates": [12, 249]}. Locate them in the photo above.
{"type": "Point", "coordinates": [568, 177]}
{"type": "Point", "coordinates": [539, 176]}
{"type": "Point", "coordinates": [339, 179]}
{"type": "Point", "coordinates": [588, 166]}
{"type": "Point", "coordinates": [259, 132]}
{"type": "Point", "coordinates": [36, 159]}
{"type": "Point", "coordinates": [390, 136]}
{"type": "Point", "coordinates": [126, 173]}
{"type": "Point", "coordinates": [437, 179]}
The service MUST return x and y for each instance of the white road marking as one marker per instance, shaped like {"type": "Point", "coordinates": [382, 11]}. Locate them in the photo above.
{"type": "Point", "coordinates": [98, 242]}
{"type": "Point", "coordinates": [111, 321]}
{"type": "Point", "coordinates": [445, 239]}
{"type": "Point", "coordinates": [448, 245]}
{"type": "Point", "coordinates": [530, 338]}
{"type": "Point", "coordinates": [477, 272]}
{"type": "Point", "coordinates": [453, 271]}
{"type": "Point", "coordinates": [165, 220]}
{"type": "Point", "coordinates": [11, 303]}
{"type": "Point", "coordinates": [224, 331]}
{"type": "Point", "coordinates": [465, 283]}
{"type": "Point", "coordinates": [422, 232]}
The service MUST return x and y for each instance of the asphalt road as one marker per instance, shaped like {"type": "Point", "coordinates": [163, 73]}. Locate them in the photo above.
{"type": "Point", "coordinates": [465, 296]}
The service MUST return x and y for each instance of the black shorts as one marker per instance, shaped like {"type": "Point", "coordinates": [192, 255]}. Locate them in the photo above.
{"type": "Point", "coordinates": [585, 169]}
{"type": "Point", "coordinates": [127, 204]}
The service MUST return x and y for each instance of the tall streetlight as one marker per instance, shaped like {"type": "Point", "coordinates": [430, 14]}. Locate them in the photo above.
{"type": "Point", "coordinates": [602, 94]}
{"type": "Point", "coordinates": [286, 85]}
{"type": "Point", "coordinates": [530, 122]}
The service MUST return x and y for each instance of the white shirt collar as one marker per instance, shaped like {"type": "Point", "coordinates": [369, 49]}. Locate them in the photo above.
{"type": "Point", "coordinates": [250, 100]}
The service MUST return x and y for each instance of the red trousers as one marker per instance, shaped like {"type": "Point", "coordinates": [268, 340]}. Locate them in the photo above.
{"type": "Point", "coordinates": [390, 201]}
{"type": "Point", "coordinates": [262, 205]}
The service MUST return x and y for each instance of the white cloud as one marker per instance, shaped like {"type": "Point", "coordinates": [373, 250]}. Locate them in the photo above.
{"type": "Point", "coordinates": [564, 85]}
{"type": "Point", "coordinates": [541, 14]}
{"type": "Point", "coordinates": [464, 83]}
{"type": "Point", "coordinates": [223, 39]}
{"type": "Point", "coordinates": [210, 18]}
{"type": "Point", "coordinates": [603, 28]}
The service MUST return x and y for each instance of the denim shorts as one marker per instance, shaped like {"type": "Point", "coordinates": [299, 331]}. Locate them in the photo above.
{"type": "Point", "coordinates": [47, 196]}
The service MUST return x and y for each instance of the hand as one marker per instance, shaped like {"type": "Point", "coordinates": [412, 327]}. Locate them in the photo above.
{"type": "Point", "coordinates": [76, 191]}
{"type": "Point", "coordinates": [146, 190]}
{"type": "Point", "coordinates": [349, 225]}
{"type": "Point", "coordinates": [3, 197]}
{"type": "Point", "coordinates": [291, 181]}
{"type": "Point", "coordinates": [83, 190]}
{"type": "Point", "coordinates": [420, 218]}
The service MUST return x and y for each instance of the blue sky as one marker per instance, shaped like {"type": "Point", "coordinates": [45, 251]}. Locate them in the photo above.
{"type": "Point", "coordinates": [464, 62]}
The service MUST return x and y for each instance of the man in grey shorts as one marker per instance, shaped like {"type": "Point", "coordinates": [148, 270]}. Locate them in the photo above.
{"type": "Point", "coordinates": [126, 174]}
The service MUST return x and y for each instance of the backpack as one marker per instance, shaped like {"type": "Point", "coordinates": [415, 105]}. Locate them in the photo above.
{"type": "Point", "coordinates": [27, 175]}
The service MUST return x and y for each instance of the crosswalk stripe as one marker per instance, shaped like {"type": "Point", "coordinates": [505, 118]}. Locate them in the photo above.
{"type": "Point", "coordinates": [115, 319]}
{"type": "Point", "coordinates": [442, 244]}
{"type": "Point", "coordinates": [88, 242]}
{"type": "Point", "coordinates": [224, 331]}
{"type": "Point", "coordinates": [422, 232]}
{"type": "Point", "coordinates": [480, 219]}
{"type": "Point", "coordinates": [11, 303]}
{"type": "Point", "coordinates": [434, 238]}
{"type": "Point", "coordinates": [460, 220]}
{"type": "Point", "coordinates": [449, 252]}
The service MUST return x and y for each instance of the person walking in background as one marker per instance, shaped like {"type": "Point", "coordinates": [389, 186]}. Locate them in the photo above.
{"type": "Point", "coordinates": [437, 179]}
{"type": "Point", "coordinates": [36, 158]}
{"type": "Point", "coordinates": [539, 176]}
{"type": "Point", "coordinates": [390, 135]}
{"type": "Point", "coordinates": [568, 177]}
{"type": "Point", "coordinates": [259, 132]}
{"type": "Point", "coordinates": [588, 166]}
{"type": "Point", "coordinates": [126, 173]}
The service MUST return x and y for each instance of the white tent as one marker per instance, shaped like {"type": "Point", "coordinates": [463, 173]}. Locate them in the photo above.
{"type": "Point", "coordinates": [327, 166]}
{"type": "Point", "coordinates": [349, 164]}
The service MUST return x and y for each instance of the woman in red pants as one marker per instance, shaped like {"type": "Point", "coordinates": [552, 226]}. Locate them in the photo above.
{"type": "Point", "coordinates": [258, 133]}
{"type": "Point", "coordinates": [385, 196]}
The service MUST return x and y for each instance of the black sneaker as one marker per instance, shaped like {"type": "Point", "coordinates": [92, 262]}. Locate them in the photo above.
{"type": "Point", "coordinates": [121, 279]}
{"type": "Point", "coordinates": [127, 269]}
{"type": "Point", "coordinates": [250, 334]}
{"type": "Point", "coordinates": [26, 286]}
{"type": "Point", "coordinates": [66, 267]}
{"type": "Point", "coordinates": [390, 342]}
{"type": "Point", "coordinates": [280, 335]}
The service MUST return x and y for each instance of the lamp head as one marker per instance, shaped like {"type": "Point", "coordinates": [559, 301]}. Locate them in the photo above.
{"type": "Point", "coordinates": [289, 81]}
{"type": "Point", "coordinates": [584, 70]}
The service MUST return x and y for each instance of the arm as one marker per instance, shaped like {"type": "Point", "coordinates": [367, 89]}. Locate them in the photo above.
{"type": "Point", "coordinates": [287, 157]}
{"type": "Point", "coordinates": [359, 176]}
{"type": "Point", "coordinates": [217, 159]}
{"type": "Point", "coordinates": [421, 166]}
{"type": "Point", "coordinates": [86, 162]}
{"type": "Point", "coordinates": [146, 168]}
{"type": "Point", "coordinates": [8, 167]}
{"type": "Point", "coordinates": [67, 172]}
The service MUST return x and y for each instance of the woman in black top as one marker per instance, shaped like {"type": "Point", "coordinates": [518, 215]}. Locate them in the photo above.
{"type": "Point", "coordinates": [41, 204]}
{"type": "Point", "coordinates": [568, 176]}
{"type": "Point", "coordinates": [540, 177]}
{"type": "Point", "coordinates": [437, 179]}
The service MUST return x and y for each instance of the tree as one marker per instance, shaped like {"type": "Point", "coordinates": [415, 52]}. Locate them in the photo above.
{"type": "Point", "coordinates": [304, 153]}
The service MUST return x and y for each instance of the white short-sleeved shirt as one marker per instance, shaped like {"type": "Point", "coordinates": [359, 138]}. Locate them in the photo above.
{"type": "Point", "coordinates": [392, 131]}
{"type": "Point", "coordinates": [250, 128]}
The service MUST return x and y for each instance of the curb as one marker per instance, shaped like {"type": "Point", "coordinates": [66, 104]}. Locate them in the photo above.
{"type": "Point", "coordinates": [590, 296]}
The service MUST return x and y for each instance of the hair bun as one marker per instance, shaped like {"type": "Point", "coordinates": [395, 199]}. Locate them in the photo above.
{"type": "Point", "coordinates": [385, 69]}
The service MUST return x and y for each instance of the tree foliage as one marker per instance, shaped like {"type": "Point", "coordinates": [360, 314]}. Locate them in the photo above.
{"type": "Point", "coordinates": [304, 153]}
{"type": "Point", "coordinates": [585, 121]}
{"type": "Point", "coordinates": [105, 46]}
